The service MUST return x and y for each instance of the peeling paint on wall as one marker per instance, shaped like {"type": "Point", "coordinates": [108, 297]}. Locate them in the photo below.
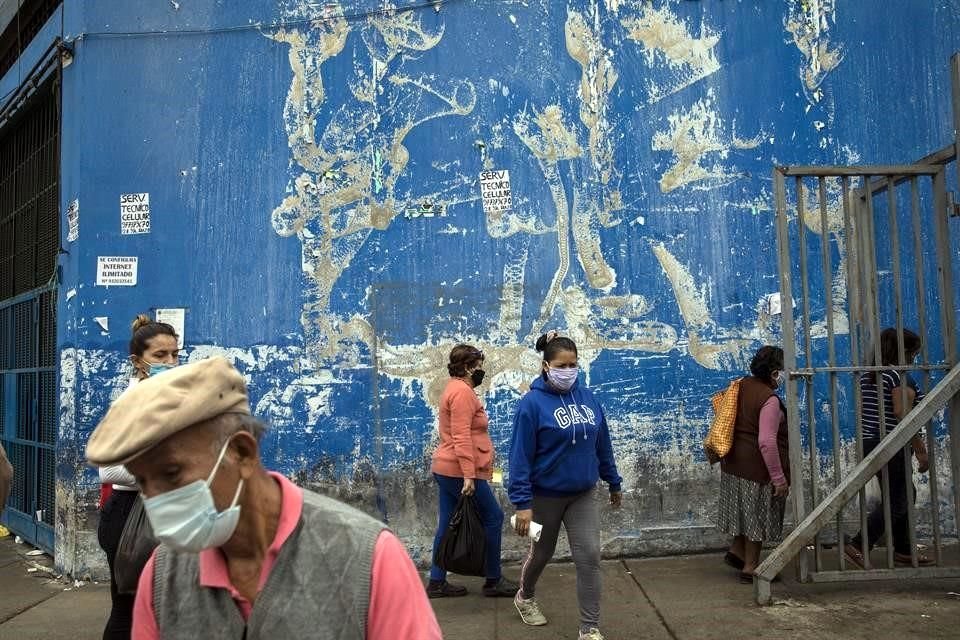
{"type": "Point", "coordinates": [694, 308]}
{"type": "Point", "coordinates": [349, 188]}
{"type": "Point", "coordinates": [663, 35]}
{"type": "Point", "coordinates": [696, 135]}
{"type": "Point", "coordinates": [361, 115]}
{"type": "Point", "coordinates": [596, 82]}
{"type": "Point", "coordinates": [809, 23]}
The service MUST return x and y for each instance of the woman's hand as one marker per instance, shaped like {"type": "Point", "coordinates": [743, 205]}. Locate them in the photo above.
{"type": "Point", "coordinates": [522, 523]}
{"type": "Point", "coordinates": [468, 487]}
{"type": "Point", "coordinates": [616, 499]}
{"type": "Point", "coordinates": [781, 490]}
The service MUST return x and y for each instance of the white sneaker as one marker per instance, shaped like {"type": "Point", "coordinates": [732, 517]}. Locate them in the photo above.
{"type": "Point", "coordinates": [529, 611]}
{"type": "Point", "coordinates": [591, 634]}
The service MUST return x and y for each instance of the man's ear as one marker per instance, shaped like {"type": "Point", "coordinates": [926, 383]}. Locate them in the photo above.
{"type": "Point", "coordinates": [247, 452]}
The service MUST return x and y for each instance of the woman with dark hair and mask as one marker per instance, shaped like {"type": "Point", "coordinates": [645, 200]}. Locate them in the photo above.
{"type": "Point", "coordinates": [755, 474]}
{"type": "Point", "coordinates": [154, 348]}
{"type": "Point", "coordinates": [463, 464]}
{"type": "Point", "coordinates": [561, 447]}
{"type": "Point", "coordinates": [895, 387]}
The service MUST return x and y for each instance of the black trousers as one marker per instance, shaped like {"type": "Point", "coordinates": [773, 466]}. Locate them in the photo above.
{"type": "Point", "coordinates": [898, 505]}
{"type": "Point", "coordinates": [112, 518]}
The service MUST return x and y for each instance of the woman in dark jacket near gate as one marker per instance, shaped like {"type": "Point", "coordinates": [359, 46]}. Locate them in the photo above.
{"type": "Point", "coordinates": [755, 474]}
{"type": "Point", "coordinates": [153, 349]}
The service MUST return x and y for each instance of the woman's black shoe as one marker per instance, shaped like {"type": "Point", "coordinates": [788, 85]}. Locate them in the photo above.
{"type": "Point", "coordinates": [502, 589]}
{"type": "Point", "coordinates": [733, 561]}
{"type": "Point", "coordinates": [445, 590]}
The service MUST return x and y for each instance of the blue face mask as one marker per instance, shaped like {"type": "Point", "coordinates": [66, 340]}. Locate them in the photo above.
{"type": "Point", "coordinates": [186, 519]}
{"type": "Point", "coordinates": [158, 367]}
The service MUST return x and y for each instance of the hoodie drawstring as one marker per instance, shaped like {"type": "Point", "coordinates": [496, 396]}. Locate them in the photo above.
{"type": "Point", "coordinates": [574, 441]}
{"type": "Point", "coordinates": [572, 404]}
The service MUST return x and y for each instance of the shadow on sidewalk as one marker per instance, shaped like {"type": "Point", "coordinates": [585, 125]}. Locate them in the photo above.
{"type": "Point", "coordinates": [685, 597]}
{"type": "Point", "coordinates": [699, 597]}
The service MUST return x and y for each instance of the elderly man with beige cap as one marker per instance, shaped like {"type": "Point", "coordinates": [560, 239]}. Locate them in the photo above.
{"type": "Point", "coordinates": [244, 552]}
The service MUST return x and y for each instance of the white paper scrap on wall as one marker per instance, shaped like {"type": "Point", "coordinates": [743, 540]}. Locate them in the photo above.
{"type": "Point", "coordinates": [176, 318]}
{"type": "Point", "coordinates": [134, 213]}
{"type": "Point", "coordinates": [495, 191]}
{"type": "Point", "coordinates": [116, 271]}
{"type": "Point", "coordinates": [774, 304]}
{"type": "Point", "coordinates": [73, 220]}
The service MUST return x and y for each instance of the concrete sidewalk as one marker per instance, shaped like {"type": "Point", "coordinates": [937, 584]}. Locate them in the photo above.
{"type": "Point", "coordinates": [688, 597]}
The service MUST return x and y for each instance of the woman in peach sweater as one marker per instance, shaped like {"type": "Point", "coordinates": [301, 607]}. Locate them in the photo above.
{"type": "Point", "coordinates": [463, 464]}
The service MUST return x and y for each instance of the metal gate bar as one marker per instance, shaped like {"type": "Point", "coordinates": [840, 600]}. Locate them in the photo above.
{"type": "Point", "coordinates": [925, 357]}
{"type": "Point", "coordinates": [948, 319]}
{"type": "Point", "coordinates": [808, 355]}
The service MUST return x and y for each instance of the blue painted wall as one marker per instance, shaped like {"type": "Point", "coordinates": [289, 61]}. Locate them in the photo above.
{"type": "Point", "coordinates": [289, 163]}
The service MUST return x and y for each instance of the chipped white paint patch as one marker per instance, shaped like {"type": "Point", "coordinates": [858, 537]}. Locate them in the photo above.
{"type": "Point", "coordinates": [663, 35]}
{"type": "Point", "coordinates": [830, 208]}
{"type": "Point", "coordinates": [693, 301]}
{"type": "Point", "coordinates": [694, 135]}
{"type": "Point", "coordinates": [347, 188]}
{"type": "Point", "coordinates": [598, 77]}
{"type": "Point", "coordinates": [655, 451]}
{"type": "Point", "coordinates": [808, 22]}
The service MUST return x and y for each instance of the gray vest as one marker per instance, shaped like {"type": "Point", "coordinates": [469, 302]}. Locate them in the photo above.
{"type": "Point", "coordinates": [319, 587]}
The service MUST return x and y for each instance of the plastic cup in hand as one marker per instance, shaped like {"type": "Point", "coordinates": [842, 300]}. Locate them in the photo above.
{"type": "Point", "coordinates": [533, 531]}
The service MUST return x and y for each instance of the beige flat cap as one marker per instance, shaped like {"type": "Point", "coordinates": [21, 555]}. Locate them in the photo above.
{"type": "Point", "coordinates": [160, 406]}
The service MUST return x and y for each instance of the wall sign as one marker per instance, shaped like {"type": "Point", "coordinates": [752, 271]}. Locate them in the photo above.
{"type": "Point", "coordinates": [116, 271]}
{"type": "Point", "coordinates": [495, 191]}
{"type": "Point", "coordinates": [134, 213]}
{"type": "Point", "coordinates": [176, 319]}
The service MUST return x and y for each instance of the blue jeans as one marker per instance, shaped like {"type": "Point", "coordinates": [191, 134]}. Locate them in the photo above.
{"type": "Point", "coordinates": [490, 514]}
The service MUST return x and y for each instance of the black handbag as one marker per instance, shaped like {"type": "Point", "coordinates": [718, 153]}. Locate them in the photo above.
{"type": "Point", "coordinates": [462, 548]}
{"type": "Point", "coordinates": [136, 545]}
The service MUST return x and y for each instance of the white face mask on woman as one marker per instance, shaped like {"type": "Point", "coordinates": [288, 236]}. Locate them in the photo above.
{"type": "Point", "coordinates": [186, 519]}
{"type": "Point", "coordinates": [778, 378]}
{"type": "Point", "coordinates": [562, 378]}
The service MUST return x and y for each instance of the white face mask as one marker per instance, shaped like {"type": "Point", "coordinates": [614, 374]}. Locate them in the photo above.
{"type": "Point", "coordinates": [778, 379]}
{"type": "Point", "coordinates": [186, 519]}
{"type": "Point", "coordinates": [564, 378]}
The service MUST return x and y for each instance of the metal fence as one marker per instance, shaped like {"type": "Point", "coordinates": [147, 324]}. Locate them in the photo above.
{"type": "Point", "coordinates": [29, 244]}
{"type": "Point", "coordinates": [870, 247]}
{"type": "Point", "coordinates": [862, 250]}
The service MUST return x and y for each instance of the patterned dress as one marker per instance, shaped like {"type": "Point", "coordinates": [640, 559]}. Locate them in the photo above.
{"type": "Point", "coordinates": [750, 509]}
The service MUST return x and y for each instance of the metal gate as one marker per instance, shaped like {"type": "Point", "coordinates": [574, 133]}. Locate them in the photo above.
{"type": "Point", "coordinates": [862, 249]}
{"type": "Point", "coordinates": [884, 245]}
{"type": "Point", "coordinates": [29, 244]}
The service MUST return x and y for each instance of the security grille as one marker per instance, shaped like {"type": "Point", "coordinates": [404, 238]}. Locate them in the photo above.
{"type": "Point", "coordinates": [29, 243]}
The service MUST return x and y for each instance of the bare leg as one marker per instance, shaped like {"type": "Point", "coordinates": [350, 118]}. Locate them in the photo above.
{"type": "Point", "coordinates": [751, 556]}
{"type": "Point", "coordinates": [737, 547]}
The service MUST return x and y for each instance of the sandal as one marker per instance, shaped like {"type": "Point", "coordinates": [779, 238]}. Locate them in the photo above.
{"type": "Point", "coordinates": [854, 556]}
{"type": "Point", "coordinates": [733, 561]}
{"type": "Point", "coordinates": [904, 560]}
